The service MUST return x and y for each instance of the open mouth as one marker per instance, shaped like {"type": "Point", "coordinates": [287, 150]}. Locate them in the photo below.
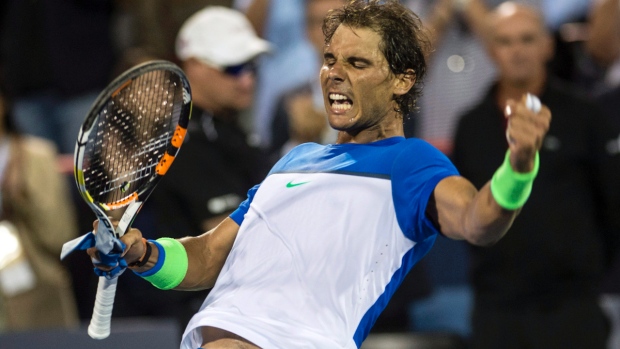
{"type": "Point", "coordinates": [340, 102]}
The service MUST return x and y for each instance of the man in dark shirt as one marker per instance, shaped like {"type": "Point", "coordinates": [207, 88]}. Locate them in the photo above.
{"type": "Point", "coordinates": [217, 165]}
{"type": "Point", "coordinates": [538, 287]}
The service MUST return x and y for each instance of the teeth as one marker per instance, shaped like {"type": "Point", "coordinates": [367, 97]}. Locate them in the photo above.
{"type": "Point", "coordinates": [337, 97]}
{"type": "Point", "coordinates": [340, 102]}
{"type": "Point", "coordinates": [341, 106]}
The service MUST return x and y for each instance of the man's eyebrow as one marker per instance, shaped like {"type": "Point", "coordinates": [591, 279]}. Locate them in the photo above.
{"type": "Point", "coordinates": [352, 59]}
{"type": "Point", "coordinates": [355, 59]}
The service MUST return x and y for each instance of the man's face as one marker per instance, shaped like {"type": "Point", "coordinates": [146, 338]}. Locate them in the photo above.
{"type": "Point", "coordinates": [357, 83]}
{"type": "Point", "coordinates": [520, 46]}
{"type": "Point", "coordinates": [315, 13]}
{"type": "Point", "coordinates": [218, 90]}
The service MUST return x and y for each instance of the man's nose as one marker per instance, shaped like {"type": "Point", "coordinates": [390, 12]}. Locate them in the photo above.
{"type": "Point", "coordinates": [246, 79]}
{"type": "Point", "coordinates": [336, 72]}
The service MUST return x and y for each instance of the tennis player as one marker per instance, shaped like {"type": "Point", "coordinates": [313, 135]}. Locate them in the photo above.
{"type": "Point", "coordinates": [314, 254]}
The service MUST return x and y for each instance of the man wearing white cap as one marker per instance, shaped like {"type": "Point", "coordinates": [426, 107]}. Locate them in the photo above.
{"type": "Point", "coordinates": [216, 47]}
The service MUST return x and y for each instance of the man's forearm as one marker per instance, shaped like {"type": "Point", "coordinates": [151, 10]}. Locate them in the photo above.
{"type": "Point", "coordinates": [485, 221]}
{"type": "Point", "coordinates": [190, 263]}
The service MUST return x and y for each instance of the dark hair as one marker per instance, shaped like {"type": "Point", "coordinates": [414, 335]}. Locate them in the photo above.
{"type": "Point", "coordinates": [404, 41]}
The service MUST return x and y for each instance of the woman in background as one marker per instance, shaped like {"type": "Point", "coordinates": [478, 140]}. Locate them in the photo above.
{"type": "Point", "coordinates": [35, 289]}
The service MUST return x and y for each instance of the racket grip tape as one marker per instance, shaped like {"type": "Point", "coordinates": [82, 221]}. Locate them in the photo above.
{"type": "Point", "coordinates": [99, 327]}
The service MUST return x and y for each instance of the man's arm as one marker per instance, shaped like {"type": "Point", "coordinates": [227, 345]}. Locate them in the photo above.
{"type": "Point", "coordinates": [462, 212]}
{"type": "Point", "coordinates": [476, 13]}
{"type": "Point", "coordinates": [206, 254]}
{"type": "Point", "coordinates": [604, 39]}
{"type": "Point", "coordinates": [438, 20]}
{"type": "Point", "coordinates": [258, 13]}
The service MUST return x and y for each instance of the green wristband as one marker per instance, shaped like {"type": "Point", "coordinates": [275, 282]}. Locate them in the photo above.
{"type": "Point", "coordinates": [512, 189]}
{"type": "Point", "coordinates": [171, 265]}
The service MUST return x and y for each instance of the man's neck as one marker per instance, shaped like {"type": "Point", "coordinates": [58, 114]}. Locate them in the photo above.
{"type": "Point", "coordinates": [391, 126]}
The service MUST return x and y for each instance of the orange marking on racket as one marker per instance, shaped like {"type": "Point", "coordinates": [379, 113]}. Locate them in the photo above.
{"type": "Point", "coordinates": [179, 136]}
{"type": "Point", "coordinates": [164, 164]}
{"type": "Point", "coordinates": [118, 90]}
{"type": "Point", "coordinates": [124, 202]}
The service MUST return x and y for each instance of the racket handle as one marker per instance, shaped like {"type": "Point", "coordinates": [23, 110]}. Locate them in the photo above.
{"type": "Point", "coordinates": [99, 327]}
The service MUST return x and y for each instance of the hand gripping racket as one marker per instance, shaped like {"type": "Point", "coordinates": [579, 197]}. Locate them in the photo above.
{"type": "Point", "coordinates": [127, 143]}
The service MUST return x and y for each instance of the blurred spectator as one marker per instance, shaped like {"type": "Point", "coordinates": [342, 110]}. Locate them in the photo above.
{"type": "Point", "coordinates": [459, 67]}
{"type": "Point", "coordinates": [282, 23]}
{"type": "Point", "coordinates": [460, 71]}
{"type": "Point", "coordinates": [154, 24]}
{"type": "Point", "coordinates": [217, 47]}
{"type": "Point", "coordinates": [538, 287]}
{"type": "Point", "coordinates": [300, 113]}
{"type": "Point", "coordinates": [56, 57]}
{"type": "Point", "coordinates": [35, 288]}
{"type": "Point", "coordinates": [604, 38]}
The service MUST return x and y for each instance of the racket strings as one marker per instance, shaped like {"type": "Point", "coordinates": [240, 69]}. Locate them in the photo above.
{"type": "Point", "coordinates": [131, 134]}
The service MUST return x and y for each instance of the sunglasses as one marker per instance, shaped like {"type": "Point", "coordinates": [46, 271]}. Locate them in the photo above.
{"type": "Point", "coordinates": [237, 70]}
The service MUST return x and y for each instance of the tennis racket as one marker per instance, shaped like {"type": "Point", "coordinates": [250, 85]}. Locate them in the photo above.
{"type": "Point", "coordinates": [126, 144]}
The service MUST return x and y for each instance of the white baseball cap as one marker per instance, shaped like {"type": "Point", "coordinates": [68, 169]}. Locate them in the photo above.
{"type": "Point", "coordinates": [220, 37]}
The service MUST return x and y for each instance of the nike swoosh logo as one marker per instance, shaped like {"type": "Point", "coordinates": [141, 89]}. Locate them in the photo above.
{"type": "Point", "coordinates": [291, 184]}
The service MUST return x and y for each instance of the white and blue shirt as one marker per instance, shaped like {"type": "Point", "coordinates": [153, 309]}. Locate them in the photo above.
{"type": "Point", "coordinates": [324, 241]}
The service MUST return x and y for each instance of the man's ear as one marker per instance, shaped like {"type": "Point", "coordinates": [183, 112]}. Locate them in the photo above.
{"type": "Point", "coordinates": [404, 82]}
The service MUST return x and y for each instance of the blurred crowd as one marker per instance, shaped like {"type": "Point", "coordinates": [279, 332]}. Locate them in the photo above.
{"type": "Point", "coordinates": [255, 99]}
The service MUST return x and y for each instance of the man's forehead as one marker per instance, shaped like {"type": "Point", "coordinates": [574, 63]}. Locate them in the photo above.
{"type": "Point", "coordinates": [349, 39]}
{"type": "Point", "coordinates": [508, 13]}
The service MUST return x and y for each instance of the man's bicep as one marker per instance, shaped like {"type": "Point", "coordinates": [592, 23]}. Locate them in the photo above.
{"type": "Point", "coordinates": [448, 204]}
